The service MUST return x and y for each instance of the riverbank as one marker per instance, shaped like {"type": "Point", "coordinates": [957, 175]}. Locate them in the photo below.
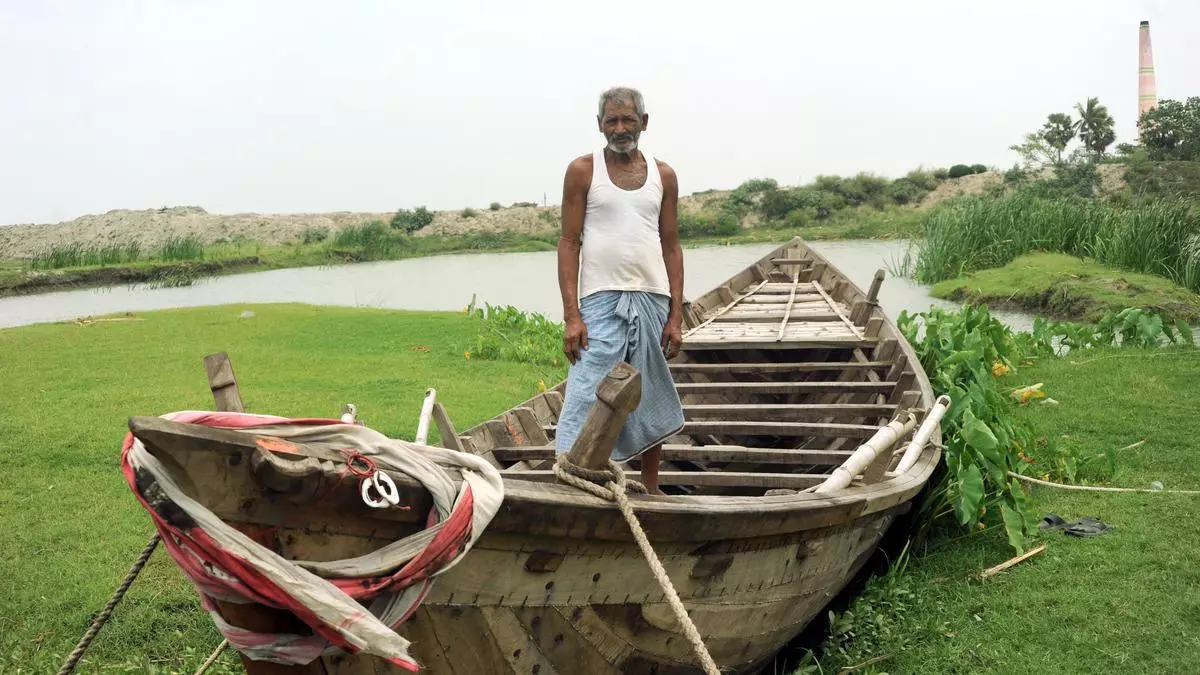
{"type": "Point", "coordinates": [1080, 605]}
{"type": "Point", "coordinates": [1066, 287]}
{"type": "Point", "coordinates": [376, 242]}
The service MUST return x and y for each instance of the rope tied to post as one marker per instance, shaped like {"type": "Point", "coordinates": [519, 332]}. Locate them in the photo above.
{"type": "Point", "coordinates": [611, 485]}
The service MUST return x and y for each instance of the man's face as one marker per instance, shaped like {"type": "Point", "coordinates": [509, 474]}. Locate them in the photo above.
{"type": "Point", "coordinates": [622, 127]}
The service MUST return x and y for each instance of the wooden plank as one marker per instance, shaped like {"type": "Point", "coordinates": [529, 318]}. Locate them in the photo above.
{"type": "Point", "coordinates": [753, 344]}
{"type": "Point", "coordinates": [834, 306]}
{"type": "Point", "coordinates": [791, 261]}
{"type": "Point", "coordinates": [223, 383]}
{"type": "Point", "coordinates": [725, 309]}
{"type": "Point", "coordinates": [787, 312]}
{"type": "Point", "coordinates": [777, 367]}
{"type": "Point", "coordinates": [777, 411]}
{"type": "Point", "coordinates": [773, 317]}
{"type": "Point", "coordinates": [704, 478]}
{"type": "Point", "coordinates": [782, 387]}
{"type": "Point", "coordinates": [755, 428]}
{"type": "Point", "coordinates": [617, 395]}
{"type": "Point", "coordinates": [874, 325]}
{"type": "Point", "coordinates": [445, 427]}
{"type": "Point", "coordinates": [702, 453]}
{"type": "Point", "coordinates": [554, 399]}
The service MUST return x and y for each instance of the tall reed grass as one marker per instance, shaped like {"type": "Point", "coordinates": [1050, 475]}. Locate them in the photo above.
{"type": "Point", "coordinates": [75, 254]}
{"type": "Point", "coordinates": [178, 248]}
{"type": "Point", "coordinates": [1158, 237]}
{"type": "Point", "coordinates": [78, 254]}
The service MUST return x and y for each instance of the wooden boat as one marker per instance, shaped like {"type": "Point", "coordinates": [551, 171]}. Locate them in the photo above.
{"type": "Point", "coordinates": [787, 368]}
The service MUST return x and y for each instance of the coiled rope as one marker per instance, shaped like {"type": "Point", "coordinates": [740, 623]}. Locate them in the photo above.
{"type": "Point", "coordinates": [611, 484]}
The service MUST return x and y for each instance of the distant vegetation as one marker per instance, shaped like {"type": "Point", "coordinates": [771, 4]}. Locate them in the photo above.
{"type": "Point", "coordinates": [1158, 237]}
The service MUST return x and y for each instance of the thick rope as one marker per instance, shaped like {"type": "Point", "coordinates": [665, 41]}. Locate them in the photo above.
{"type": "Point", "coordinates": [614, 490]}
{"type": "Point", "coordinates": [90, 635]}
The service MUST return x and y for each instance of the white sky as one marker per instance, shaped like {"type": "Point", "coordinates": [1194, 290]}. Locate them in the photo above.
{"type": "Point", "coordinates": [249, 105]}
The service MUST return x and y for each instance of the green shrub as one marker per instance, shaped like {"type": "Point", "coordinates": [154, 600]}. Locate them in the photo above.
{"type": "Point", "coordinates": [468, 213]}
{"type": "Point", "coordinates": [978, 168]}
{"type": "Point", "coordinates": [524, 204]}
{"type": "Point", "coordinates": [959, 170]}
{"type": "Point", "coordinates": [692, 226]}
{"type": "Point", "coordinates": [941, 174]}
{"type": "Point", "coordinates": [372, 241]}
{"type": "Point", "coordinates": [495, 206]}
{"type": "Point", "coordinates": [411, 221]}
{"type": "Point", "coordinates": [314, 235]}
{"type": "Point", "coordinates": [798, 218]}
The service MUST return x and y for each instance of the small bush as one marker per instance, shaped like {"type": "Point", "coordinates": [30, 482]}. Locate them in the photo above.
{"type": "Point", "coordinates": [411, 221]}
{"type": "Point", "coordinates": [798, 218]}
{"type": "Point", "coordinates": [959, 170]}
{"type": "Point", "coordinates": [1015, 175]}
{"type": "Point", "coordinates": [495, 206]}
{"type": "Point", "coordinates": [468, 213]}
{"type": "Point", "coordinates": [315, 235]}
{"type": "Point", "coordinates": [373, 241]}
{"type": "Point", "coordinates": [524, 204]}
{"type": "Point", "coordinates": [941, 174]}
{"type": "Point", "coordinates": [691, 226]}
{"type": "Point", "coordinates": [978, 168]}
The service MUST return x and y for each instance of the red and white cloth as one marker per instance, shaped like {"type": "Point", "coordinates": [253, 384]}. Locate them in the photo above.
{"type": "Point", "coordinates": [331, 597]}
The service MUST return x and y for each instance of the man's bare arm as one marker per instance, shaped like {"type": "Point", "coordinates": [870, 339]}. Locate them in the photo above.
{"type": "Point", "coordinates": [668, 232]}
{"type": "Point", "coordinates": [574, 204]}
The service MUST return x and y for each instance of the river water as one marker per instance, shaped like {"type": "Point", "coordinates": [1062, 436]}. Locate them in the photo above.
{"type": "Point", "coordinates": [528, 281]}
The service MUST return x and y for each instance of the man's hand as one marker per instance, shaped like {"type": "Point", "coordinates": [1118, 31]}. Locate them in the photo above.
{"type": "Point", "coordinates": [574, 337]}
{"type": "Point", "coordinates": [672, 336]}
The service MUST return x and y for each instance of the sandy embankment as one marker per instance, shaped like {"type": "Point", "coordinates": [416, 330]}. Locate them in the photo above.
{"type": "Point", "coordinates": [151, 227]}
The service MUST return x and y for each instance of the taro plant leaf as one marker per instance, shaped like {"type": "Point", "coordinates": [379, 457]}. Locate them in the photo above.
{"type": "Point", "coordinates": [970, 495]}
{"type": "Point", "coordinates": [1185, 332]}
{"type": "Point", "coordinates": [1014, 526]}
{"type": "Point", "coordinates": [977, 435]}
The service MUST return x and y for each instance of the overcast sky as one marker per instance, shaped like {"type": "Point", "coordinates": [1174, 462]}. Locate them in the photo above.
{"type": "Point", "coordinates": [248, 105]}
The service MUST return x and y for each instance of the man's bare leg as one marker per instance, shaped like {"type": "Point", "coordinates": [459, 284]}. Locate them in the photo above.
{"type": "Point", "coordinates": [650, 461]}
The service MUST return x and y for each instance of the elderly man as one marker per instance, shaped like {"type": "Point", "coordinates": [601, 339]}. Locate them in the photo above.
{"type": "Point", "coordinates": [620, 271]}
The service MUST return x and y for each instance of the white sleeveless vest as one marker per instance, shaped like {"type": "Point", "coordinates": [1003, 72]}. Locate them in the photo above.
{"type": "Point", "coordinates": [621, 248]}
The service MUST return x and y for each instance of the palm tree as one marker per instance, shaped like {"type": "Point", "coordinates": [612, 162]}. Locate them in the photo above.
{"type": "Point", "coordinates": [1058, 132]}
{"type": "Point", "coordinates": [1095, 126]}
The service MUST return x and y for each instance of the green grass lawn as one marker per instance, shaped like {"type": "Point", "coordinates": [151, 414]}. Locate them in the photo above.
{"type": "Point", "coordinates": [1070, 288]}
{"type": "Point", "coordinates": [70, 528]}
{"type": "Point", "coordinates": [1127, 601]}
{"type": "Point", "coordinates": [69, 525]}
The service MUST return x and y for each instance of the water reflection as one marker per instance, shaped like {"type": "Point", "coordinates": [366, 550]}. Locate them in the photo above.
{"type": "Point", "coordinates": [526, 280]}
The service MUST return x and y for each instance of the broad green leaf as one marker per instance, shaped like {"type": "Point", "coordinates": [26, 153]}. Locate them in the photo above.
{"type": "Point", "coordinates": [1014, 526]}
{"type": "Point", "coordinates": [970, 494]}
{"type": "Point", "coordinates": [977, 434]}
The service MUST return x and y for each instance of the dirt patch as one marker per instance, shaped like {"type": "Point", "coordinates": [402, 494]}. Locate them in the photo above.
{"type": "Point", "coordinates": [974, 184]}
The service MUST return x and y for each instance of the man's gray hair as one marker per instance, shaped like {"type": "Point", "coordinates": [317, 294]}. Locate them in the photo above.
{"type": "Point", "coordinates": [623, 95]}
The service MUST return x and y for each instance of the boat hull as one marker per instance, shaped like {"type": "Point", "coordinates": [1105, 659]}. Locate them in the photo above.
{"type": "Point", "coordinates": [524, 604]}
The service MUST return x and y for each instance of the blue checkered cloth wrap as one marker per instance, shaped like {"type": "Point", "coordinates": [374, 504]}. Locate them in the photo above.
{"type": "Point", "coordinates": [623, 326]}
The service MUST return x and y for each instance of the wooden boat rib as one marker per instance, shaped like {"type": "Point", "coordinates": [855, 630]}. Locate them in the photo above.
{"type": "Point", "coordinates": [786, 368]}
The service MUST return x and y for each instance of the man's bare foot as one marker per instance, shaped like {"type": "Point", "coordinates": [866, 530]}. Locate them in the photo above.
{"type": "Point", "coordinates": [650, 461]}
